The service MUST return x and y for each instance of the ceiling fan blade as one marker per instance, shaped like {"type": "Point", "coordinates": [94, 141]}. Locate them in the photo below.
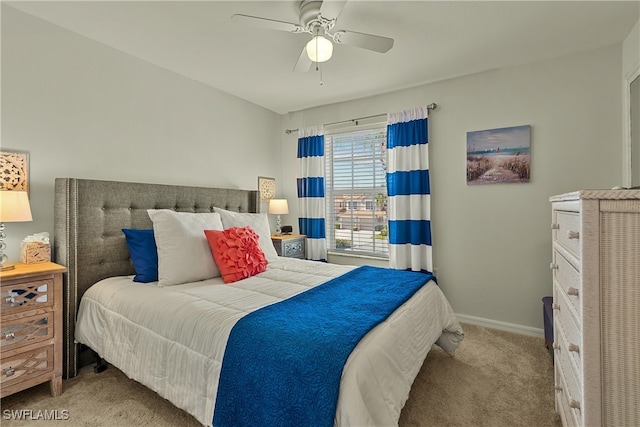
{"type": "Point", "coordinates": [331, 9]}
{"type": "Point", "coordinates": [270, 24]}
{"type": "Point", "coordinates": [363, 40]}
{"type": "Point", "coordinates": [304, 63]}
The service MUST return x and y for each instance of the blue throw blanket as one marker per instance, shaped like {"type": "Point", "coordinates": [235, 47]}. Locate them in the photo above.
{"type": "Point", "coordinates": [283, 363]}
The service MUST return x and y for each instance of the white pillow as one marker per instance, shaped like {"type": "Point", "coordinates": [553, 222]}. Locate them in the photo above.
{"type": "Point", "coordinates": [259, 222]}
{"type": "Point", "coordinates": [184, 254]}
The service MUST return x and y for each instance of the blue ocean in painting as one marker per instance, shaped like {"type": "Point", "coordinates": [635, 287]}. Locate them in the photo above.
{"type": "Point", "coordinates": [501, 152]}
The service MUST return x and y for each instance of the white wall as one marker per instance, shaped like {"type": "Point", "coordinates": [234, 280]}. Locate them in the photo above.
{"type": "Point", "coordinates": [630, 71]}
{"type": "Point", "coordinates": [83, 109]}
{"type": "Point", "coordinates": [492, 243]}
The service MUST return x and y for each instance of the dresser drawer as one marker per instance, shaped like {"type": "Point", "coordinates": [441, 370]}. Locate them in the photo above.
{"type": "Point", "coordinates": [566, 231]}
{"type": "Point", "coordinates": [562, 401]}
{"type": "Point", "coordinates": [20, 296]}
{"type": "Point", "coordinates": [569, 326]}
{"type": "Point", "coordinates": [572, 379]}
{"type": "Point", "coordinates": [25, 366]}
{"type": "Point", "coordinates": [26, 330]}
{"type": "Point", "coordinates": [568, 278]}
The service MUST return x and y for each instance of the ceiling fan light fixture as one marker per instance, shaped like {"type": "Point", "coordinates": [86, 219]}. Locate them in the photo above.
{"type": "Point", "coordinates": [319, 49]}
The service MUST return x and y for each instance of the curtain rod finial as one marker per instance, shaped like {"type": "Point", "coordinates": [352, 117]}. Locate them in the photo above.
{"type": "Point", "coordinates": [432, 106]}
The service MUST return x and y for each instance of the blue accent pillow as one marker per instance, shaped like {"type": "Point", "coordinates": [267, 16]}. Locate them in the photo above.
{"type": "Point", "coordinates": [144, 254]}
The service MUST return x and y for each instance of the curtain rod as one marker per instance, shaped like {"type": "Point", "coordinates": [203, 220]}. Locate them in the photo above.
{"type": "Point", "coordinates": [431, 106]}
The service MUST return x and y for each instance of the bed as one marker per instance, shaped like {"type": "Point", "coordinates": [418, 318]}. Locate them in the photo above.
{"type": "Point", "coordinates": [135, 326]}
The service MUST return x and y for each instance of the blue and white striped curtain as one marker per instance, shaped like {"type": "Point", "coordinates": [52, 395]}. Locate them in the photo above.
{"type": "Point", "coordinates": [409, 195]}
{"type": "Point", "coordinates": [311, 191]}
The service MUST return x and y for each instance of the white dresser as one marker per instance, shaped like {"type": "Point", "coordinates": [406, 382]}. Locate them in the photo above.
{"type": "Point", "coordinates": [596, 296]}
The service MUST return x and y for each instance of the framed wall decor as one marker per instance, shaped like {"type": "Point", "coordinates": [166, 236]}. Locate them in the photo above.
{"type": "Point", "coordinates": [14, 170]}
{"type": "Point", "coordinates": [499, 155]}
{"type": "Point", "coordinates": [266, 188]}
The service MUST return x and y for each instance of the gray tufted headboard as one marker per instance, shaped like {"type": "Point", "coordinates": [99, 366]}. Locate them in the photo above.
{"type": "Point", "coordinates": [88, 240]}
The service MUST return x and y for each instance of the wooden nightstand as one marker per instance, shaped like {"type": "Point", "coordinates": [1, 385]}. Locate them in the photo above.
{"type": "Point", "coordinates": [289, 245]}
{"type": "Point", "coordinates": [31, 330]}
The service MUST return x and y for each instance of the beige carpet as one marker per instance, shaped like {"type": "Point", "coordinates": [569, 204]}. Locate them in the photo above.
{"type": "Point", "coordinates": [496, 379]}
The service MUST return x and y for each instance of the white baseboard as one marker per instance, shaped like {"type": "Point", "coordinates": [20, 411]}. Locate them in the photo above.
{"type": "Point", "coordinates": [503, 326]}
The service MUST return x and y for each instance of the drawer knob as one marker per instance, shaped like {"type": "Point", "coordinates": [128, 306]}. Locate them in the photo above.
{"type": "Point", "coordinates": [572, 234]}
{"type": "Point", "coordinates": [558, 388]}
{"type": "Point", "coordinates": [556, 306]}
{"type": "Point", "coordinates": [556, 346]}
{"type": "Point", "coordinates": [9, 371]}
{"type": "Point", "coordinates": [9, 336]}
{"type": "Point", "coordinates": [572, 291]}
{"type": "Point", "coordinates": [553, 266]}
{"type": "Point", "coordinates": [11, 300]}
{"type": "Point", "coordinates": [574, 404]}
{"type": "Point", "coordinates": [574, 347]}
{"type": "Point", "coordinates": [555, 226]}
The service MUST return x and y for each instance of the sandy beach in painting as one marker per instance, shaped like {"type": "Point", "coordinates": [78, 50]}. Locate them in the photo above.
{"type": "Point", "coordinates": [498, 168]}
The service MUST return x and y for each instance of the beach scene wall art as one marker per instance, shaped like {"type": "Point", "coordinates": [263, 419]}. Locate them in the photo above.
{"type": "Point", "coordinates": [499, 155]}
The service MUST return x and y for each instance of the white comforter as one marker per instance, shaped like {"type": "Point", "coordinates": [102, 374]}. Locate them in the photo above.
{"type": "Point", "coordinates": [172, 339]}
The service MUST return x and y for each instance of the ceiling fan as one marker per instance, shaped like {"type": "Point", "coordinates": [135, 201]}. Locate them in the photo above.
{"type": "Point", "coordinates": [318, 18]}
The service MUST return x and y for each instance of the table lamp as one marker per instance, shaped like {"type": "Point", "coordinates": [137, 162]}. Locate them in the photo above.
{"type": "Point", "coordinates": [278, 207]}
{"type": "Point", "coordinates": [14, 207]}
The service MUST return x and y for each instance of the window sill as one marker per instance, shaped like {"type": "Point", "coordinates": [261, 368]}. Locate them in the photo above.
{"type": "Point", "coordinates": [357, 255]}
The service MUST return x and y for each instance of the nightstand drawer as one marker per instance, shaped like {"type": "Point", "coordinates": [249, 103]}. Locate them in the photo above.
{"type": "Point", "coordinates": [294, 249]}
{"type": "Point", "coordinates": [289, 245]}
{"type": "Point", "coordinates": [27, 365]}
{"type": "Point", "coordinates": [25, 331]}
{"type": "Point", "coordinates": [21, 296]}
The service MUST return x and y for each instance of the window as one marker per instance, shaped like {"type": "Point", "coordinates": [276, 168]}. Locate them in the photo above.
{"type": "Point", "coordinates": [356, 191]}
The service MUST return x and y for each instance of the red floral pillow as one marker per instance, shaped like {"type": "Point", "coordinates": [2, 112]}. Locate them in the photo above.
{"type": "Point", "coordinates": [236, 252]}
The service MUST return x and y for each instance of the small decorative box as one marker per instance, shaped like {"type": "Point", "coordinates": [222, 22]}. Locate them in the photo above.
{"type": "Point", "coordinates": [36, 249]}
{"type": "Point", "coordinates": [33, 253]}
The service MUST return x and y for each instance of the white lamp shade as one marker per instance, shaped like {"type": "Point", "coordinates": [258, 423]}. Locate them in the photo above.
{"type": "Point", "coordinates": [319, 49]}
{"type": "Point", "coordinates": [14, 206]}
{"type": "Point", "coordinates": [278, 207]}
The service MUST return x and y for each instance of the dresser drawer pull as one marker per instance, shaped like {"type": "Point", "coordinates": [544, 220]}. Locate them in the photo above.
{"type": "Point", "coordinates": [11, 300]}
{"type": "Point", "coordinates": [558, 388]}
{"type": "Point", "coordinates": [572, 291]}
{"type": "Point", "coordinates": [574, 347]}
{"type": "Point", "coordinates": [553, 266]}
{"type": "Point", "coordinates": [556, 346]}
{"type": "Point", "coordinates": [555, 306]}
{"type": "Point", "coordinates": [9, 336]}
{"type": "Point", "coordinates": [9, 371]}
{"type": "Point", "coordinates": [574, 404]}
{"type": "Point", "coordinates": [572, 234]}
{"type": "Point", "coordinates": [555, 226]}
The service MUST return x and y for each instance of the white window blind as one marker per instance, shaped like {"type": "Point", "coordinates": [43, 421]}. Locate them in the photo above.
{"type": "Point", "coordinates": [356, 191]}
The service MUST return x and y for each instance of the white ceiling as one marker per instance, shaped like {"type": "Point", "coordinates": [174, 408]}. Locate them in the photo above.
{"type": "Point", "coordinates": [434, 40]}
